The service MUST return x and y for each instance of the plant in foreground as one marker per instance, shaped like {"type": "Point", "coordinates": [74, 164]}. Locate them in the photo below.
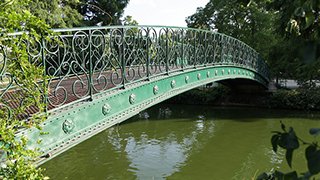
{"type": "Point", "coordinates": [289, 141]}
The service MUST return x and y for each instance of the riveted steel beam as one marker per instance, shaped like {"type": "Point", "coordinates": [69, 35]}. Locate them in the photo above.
{"type": "Point", "coordinates": [69, 126]}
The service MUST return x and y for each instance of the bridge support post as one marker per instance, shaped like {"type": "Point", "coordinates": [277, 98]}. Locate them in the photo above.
{"type": "Point", "coordinates": [182, 50]}
{"type": "Point", "coordinates": [195, 51]}
{"type": "Point", "coordinates": [122, 57]}
{"type": "Point", "coordinates": [148, 60]}
{"type": "Point", "coordinates": [222, 50]}
{"type": "Point", "coordinates": [205, 39]}
{"type": "Point", "coordinates": [90, 66]}
{"type": "Point", "coordinates": [167, 51]}
{"type": "Point", "coordinates": [45, 88]}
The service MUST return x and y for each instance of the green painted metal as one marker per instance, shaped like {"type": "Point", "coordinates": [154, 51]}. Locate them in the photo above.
{"type": "Point", "coordinates": [71, 125]}
{"type": "Point", "coordinates": [101, 76]}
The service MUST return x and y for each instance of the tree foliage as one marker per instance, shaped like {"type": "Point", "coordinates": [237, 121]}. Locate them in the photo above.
{"type": "Point", "coordinates": [102, 12]}
{"type": "Point", "coordinates": [19, 71]}
{"type": "Point", "coordinates": [285, 32]}
{"type": "Point", "coordinates": [128, 20]}
{"type": "Point", "coordinates": [248, 21]}
{"type": "Point", "coordinates": [298, 17]}
{"type": "Point", "coordinates": [57, 13]}
{"type": "Point", "coordinates": [298, 24]}
{"type": "Point", "coordinates": [71, 13]}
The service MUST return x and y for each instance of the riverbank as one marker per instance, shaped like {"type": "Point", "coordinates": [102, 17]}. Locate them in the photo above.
{"type": "Point", "coordinates": [302, 98]}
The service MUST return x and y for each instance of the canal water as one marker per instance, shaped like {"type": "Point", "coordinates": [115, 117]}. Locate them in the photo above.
{"type": "Point", "coordinates": [186, 142]}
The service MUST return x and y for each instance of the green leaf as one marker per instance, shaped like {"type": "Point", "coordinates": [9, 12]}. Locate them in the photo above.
{"type": "Point", "coordinates": [283, 127]}
{"type": "Point", "coordinates": [263, 176]}
{"type": "Point", "coordinates": [293, 139]}
{"type": "Point", "coordinates": [314, 131]}
{"type": "Point", "coordinates": [289, 154]}
{"type": "Point", "coordinates": [313, 158]}
{"type": "Point", "coordinates": [289, 140]}
{"type": "Point", "coordinates": [274, 142]}
{"type": "Point", "coordinates": [278, 175]}
{"type": "Point", "coordinates": [291, 176]}
{"type": "Point", "coordinates": [310, 19]}
{"type": "Point", "coordinates": [310, 150]}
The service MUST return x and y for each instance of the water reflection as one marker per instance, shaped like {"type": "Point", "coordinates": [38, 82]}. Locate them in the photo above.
{"type": "Point", "coordinates": [184, 142]}
{"type": "Point", "coordinates": [164, 113]}
{"type": "Point", "coordinates": [156, 157]}
{"type": "Point", "coordinates": [275, 158]}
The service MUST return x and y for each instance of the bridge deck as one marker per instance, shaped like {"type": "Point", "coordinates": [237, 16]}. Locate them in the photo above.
{"type": "Point", "coordinates": [66, 91]}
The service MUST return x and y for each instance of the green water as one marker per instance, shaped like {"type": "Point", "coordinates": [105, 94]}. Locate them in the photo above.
{"type": "Point", "coordinates": [186, 142]}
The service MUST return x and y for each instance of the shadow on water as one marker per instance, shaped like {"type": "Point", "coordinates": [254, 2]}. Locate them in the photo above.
{"type": "Point", "coordinates": [240, 114]}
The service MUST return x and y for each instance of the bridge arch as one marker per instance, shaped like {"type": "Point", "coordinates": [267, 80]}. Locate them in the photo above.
{"type": "Point", "coordinates": [101, 76]}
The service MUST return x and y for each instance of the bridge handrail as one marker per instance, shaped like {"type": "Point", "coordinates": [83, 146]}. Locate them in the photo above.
{"type": "Point", "coordinates": [83, 61]}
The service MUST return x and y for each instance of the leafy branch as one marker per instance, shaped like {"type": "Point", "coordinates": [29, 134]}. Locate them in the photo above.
{"type": "Point", "coordinates": [289, 141]}
{"type": "Point", "coordinates": [24, 80]}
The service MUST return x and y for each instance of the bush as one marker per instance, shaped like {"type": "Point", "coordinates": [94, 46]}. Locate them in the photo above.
{"type": "Point", "coordinates": [304, 98]}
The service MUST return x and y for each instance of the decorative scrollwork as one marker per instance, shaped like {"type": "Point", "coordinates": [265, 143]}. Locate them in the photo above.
{"type": "Point", "coordinates": [3, 60]}
{"type": "Point", "coordinates": [85, 61]}
{"type": "Point", "coordinates": [6, 82]}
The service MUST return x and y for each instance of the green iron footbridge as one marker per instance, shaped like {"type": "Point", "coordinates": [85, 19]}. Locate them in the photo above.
{"type": "Point", "coordinates": [101, 76]}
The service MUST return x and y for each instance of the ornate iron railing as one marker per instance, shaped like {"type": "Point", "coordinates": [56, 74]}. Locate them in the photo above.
{"type": "Point", "coordinates": [83, 61]}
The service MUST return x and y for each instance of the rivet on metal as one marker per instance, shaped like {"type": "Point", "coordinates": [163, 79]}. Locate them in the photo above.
{"type": "Point", "coordinates": [132, 98]}
{"type": "Point", "coordinates": [208, 74]}
{"type": "Point", "coordinates": [106, 108]}
{"type": "Point", "coordinates": [155, 90]}
{"type": "Point", "coordinates": [173, 83]}
{"type": "Point", "coordinates": [187, 79]}
{"type": "Point", "coordinates": [199, 76]}
{"type": "Point", "coordinates": [67, 126]}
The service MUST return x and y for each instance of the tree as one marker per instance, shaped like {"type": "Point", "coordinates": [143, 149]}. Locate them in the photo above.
{"type": "Point", "coordinates": [248, 21]}
{"type": "Point", "coordinates": [102, 12]}
{"type": "Point", "coordinates": [299, 25]}
{"type": "Point", "coordinates": [57, 13]}
{"type": "Point", "coordinates": [286, 33]}
{"type": "Point", "coordinates": [298, 17]}
{"type": "Point", "coordinates": [128, 20]}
